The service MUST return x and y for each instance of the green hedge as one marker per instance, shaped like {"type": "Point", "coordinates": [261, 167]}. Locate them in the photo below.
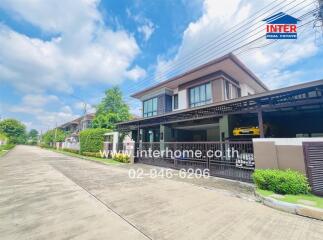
{"type": "Point", "coordinates": [91, 140]}
{"type": "Point", "coordinates": [281, 181]}
{"type": "Point", "coordinates": [92, 154]}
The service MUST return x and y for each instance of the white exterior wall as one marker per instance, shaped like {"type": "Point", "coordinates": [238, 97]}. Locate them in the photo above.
{"type": "Point", "coordinates": [182, 99]}
{"type": "Point", "coordinates": [71, 145]}
{"type": "Point", "coordinates": [246, 90]}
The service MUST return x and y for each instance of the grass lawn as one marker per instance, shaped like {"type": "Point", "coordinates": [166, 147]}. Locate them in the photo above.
{"type": "Point", "coordinates": [102, 160]}
{"type": "Point", "coordinates": [2, 152]}
{"type": "Point", "coordinates": [299, 199]}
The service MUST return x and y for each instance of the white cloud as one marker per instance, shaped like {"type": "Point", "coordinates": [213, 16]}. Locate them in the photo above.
{"type": "Point", "coordinates": [136, 73]}
{"type": "Point", "coordinates": [39, 100]}
{"type": "Point", "coordinates": [43, 119]}
{"type": "Point", "coordinates": [217, 18]}
{"type": "Point", "coordinates": [146, 26]}
{"type": "Point", "coordinates": [37, 107]}
{"type": "Point", "coordinates": [147, 30]}
{"type": "Point", "coordinates": [48, 120]}
{"type": "Point", "coordinates": [82, 50]}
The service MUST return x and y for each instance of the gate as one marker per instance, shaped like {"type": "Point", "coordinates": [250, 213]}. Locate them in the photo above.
{"type": "Point", "coordinates": [313, 155]}
{"type": "Point", "coordinates": [233, 160]}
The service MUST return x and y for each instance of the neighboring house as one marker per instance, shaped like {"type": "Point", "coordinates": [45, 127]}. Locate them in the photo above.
{"type": "Point", "coordinates": [208, 102]}
{"type": "Point", "coordinates": [77, 125]}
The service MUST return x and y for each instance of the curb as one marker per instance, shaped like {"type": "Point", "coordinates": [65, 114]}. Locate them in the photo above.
{"type": "Point", "coordinates": [82, 157]}
{"type": "Point", "coordinates": [292, 208]}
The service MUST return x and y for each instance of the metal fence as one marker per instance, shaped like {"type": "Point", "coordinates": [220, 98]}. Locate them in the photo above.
{"type": "Point", "coordinates": [233, 160]}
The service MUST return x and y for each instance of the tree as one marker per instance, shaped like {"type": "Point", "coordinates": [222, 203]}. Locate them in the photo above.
{"type": "Point", "coordinates": [33, 136]}
{"type": "Point", "coordinates": [55, 135]}
{"type": "Point", "coordinates": [14, 130]}
{"type": "Point", "coordinates": [111, 110]}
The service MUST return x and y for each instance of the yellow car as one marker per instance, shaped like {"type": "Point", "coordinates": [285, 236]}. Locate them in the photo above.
{"type": "Point", "coordinates": [242, 131]}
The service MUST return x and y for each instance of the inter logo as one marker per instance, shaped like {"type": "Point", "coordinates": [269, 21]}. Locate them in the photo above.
{"type": "Point", "coordinates": [281, 26]}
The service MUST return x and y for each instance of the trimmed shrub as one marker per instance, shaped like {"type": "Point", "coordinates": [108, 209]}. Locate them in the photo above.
{"type": "Point", "coordinates": [71, 150]}
{"type": "Point", "coordinates": [281, 181]}
{"type": "Point", "coordinates": [121, 157]}
{"type": "Point", "coordinates": [91, 140]}
{"type": "Point", "coordinates": [92, 154]}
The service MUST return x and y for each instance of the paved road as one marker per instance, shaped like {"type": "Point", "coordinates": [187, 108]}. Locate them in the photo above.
{"type": "Point", "coordinates": [46, 195]}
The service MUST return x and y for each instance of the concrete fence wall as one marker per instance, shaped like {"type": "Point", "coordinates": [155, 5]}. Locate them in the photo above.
{"type": "Point", "coordinates": [73, 145]}
{"type": "Point", "coordinates": [281, 153]}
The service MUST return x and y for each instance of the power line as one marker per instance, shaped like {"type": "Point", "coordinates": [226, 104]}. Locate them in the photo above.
{"type": "Point", "coordinates": [272, 42]}
{"type": "Point", "coordinates": [223, 41]}
{"type": "Point", "coordinates": [253, 35]}
{"type": "Point", "coordinates": [240, 36]}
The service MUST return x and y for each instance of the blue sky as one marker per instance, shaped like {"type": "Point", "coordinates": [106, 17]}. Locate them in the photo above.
{"type": "Point", "coordinates": [53, 54]}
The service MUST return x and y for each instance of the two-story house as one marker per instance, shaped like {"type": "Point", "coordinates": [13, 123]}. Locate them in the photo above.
{"type": "Point", "coordinates": [223, 79]}
{"type": "Point", "coordinates": [208, 102]}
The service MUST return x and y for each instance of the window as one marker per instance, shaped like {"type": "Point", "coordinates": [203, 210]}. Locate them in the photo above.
{"type": "Point", "coordinates": [176, 101]}
{"type": "Point", "coordinates": [200, 95]}
{"type": "Point", "coordinates": [227, 90]}
{"type": "Point", "coordinates": [150, 107]}
{"type": "Point", "coordinates": [231, 91]}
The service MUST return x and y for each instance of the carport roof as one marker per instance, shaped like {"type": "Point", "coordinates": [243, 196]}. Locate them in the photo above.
{"type": "Point", "coordinates": [297, 95]}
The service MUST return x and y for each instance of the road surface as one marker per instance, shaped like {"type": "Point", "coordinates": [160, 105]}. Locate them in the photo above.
{"type": "Point", "coordinates": [47, 195]}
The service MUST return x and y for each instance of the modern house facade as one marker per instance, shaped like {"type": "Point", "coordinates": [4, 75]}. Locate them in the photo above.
{"type": "Point", "coordinates": [208, 102]}
{"type": "Point", "coordinates": [224, 79]}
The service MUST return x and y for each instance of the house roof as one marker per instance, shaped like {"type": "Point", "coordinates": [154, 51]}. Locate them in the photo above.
{"type": "Point", "coordinates": [228, 63]}
{"type": "Point", "coordinates": [281, 18]}
{"type": "Point", "coordinates": [77, 121]}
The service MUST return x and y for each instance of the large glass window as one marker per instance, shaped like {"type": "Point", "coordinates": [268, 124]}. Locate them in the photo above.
{"type": "Point", "coordinates": [150, 107]}
{"type": "Point", "coordinates": [200, 95]}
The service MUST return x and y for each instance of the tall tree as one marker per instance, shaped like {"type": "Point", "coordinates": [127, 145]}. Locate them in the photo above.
{"type": "Point", "coordinates": [33, 136]}
{"type": "Point", "coordinates": [111, 110]}
{"type": "Point", "coordinates": [55, 135]}
{"type": "Point", "coordinates": [14, 130]}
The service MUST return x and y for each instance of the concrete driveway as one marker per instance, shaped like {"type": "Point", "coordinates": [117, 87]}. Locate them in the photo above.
{"type": "Point", "coordinates": [46, 195]}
